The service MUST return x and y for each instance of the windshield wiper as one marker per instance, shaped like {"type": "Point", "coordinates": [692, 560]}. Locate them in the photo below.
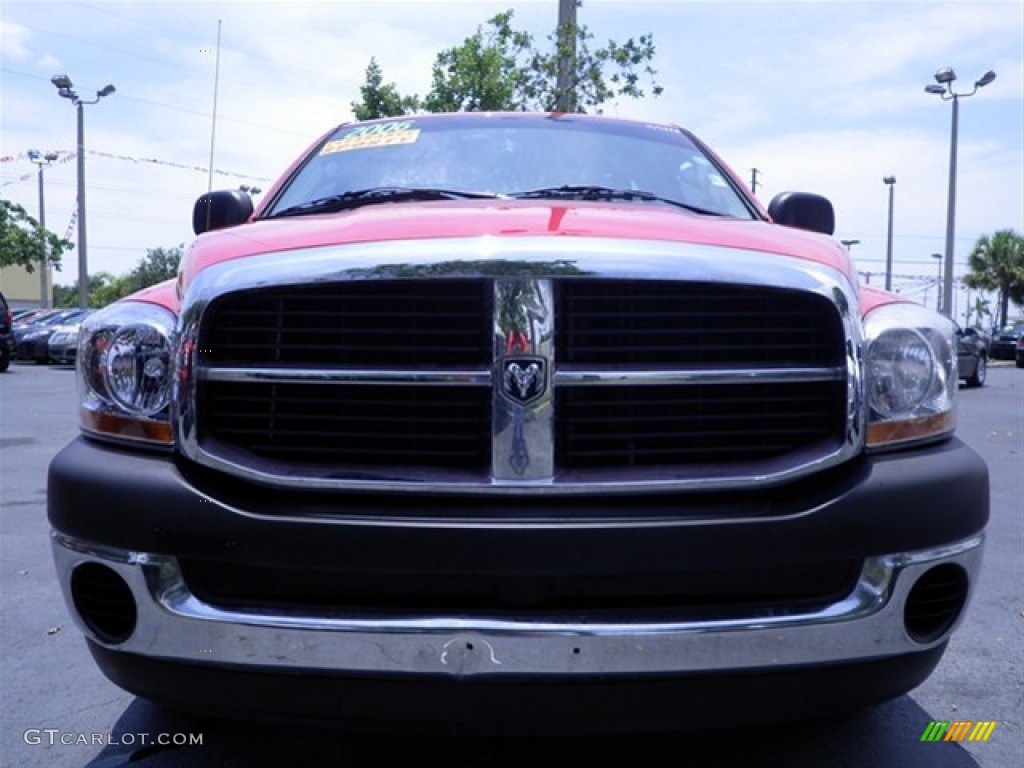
{"type": "Point", "coordinates": [591, 192]}
{"type": "Point", "coordinates": [371, 195]}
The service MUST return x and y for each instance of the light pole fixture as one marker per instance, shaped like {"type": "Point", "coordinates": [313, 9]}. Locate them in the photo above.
{"type": "Point", "coordinates": [889, 181]}
{"type": "Point", "coordinates": [66, 89]}
{"type": "Point", "coordinates": [849, 243]}
{"type": "Point", "coordinates": [945, 77]}
{"type": "Point", "coordinates": [43, 160]}
{"type": "Point", "coordinates": [938, 285]}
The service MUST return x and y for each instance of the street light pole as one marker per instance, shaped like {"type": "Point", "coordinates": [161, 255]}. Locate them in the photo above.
{"type": "Point", "coordinates": [889, 181]}
{"type": "Point", "coordinates": [83, 266]}
{"type": "Point", "coordinates": [944, 89]}
{"type": "Point", "coordinates": [938, 284]}
{"type": "Point", "coordinates": [42, 161]}
{"type": "Point", "coordinates": [65, 88]}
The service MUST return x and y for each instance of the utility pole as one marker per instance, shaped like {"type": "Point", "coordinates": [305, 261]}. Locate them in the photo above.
{"type": "Point", "coordinates": [890, 182]}
{"type": "Point", "coordinates": [753, 180]}
{"type": "Point", "coordinates": [566, 37]}
{"type": "Point", "coordinates": [44, 263]}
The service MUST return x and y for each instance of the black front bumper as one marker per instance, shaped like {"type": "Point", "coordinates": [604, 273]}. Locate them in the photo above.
{"type": "Point", "coordinates": [899, 515]}
{"type": "Point", "coordinates": [886, 503]}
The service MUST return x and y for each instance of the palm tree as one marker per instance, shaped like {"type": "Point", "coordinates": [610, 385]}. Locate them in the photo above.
{"type": "Point", "coordinates": [997, 263]}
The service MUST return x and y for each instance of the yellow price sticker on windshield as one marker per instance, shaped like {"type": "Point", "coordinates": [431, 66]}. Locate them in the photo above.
{"type": "Point", "coordinates": [365, 141]}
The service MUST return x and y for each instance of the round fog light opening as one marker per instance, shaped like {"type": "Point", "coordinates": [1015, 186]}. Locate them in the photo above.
{"type": "Point", "coordinates": [104, 601]}
{"type": "Point", "coordinates": [935, 602]}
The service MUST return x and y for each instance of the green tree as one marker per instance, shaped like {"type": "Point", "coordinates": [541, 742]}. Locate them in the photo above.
{"type": "Point", "coordinates": [22, 239]}
{"type": "Point", "coordinates": [486, 73]}
{"type": "Point", "coordinates": [105, 288]}
{"type": "Point", "coordinates": [980, 309]}
{"type": "Point", "coordinates": [500, 68]}
{"type": "Point", "coordinates": [380, 100]}
{"type": "Point", "coordinates": [157, 265]}
{"type": "Point", "coordinates": [997, 264]}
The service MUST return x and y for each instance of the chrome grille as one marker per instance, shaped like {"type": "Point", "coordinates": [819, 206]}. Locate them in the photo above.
{"type": "Point", "coordinates": [565, 374]}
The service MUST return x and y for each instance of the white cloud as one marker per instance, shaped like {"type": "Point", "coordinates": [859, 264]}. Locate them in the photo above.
{"type": "Point", "coordinates": [48, 62]}
{"type": "Point", "coordinates": [14, 40]}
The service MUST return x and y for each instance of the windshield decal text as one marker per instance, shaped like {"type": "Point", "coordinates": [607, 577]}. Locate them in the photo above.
{"type": "Point", "coordinates": [375, 135]}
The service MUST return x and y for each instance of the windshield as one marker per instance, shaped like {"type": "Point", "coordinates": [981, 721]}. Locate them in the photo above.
{"type": "Point", "coordinates": [483, 154]}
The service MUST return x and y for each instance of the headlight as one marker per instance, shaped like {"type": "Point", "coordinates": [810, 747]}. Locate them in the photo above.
{"type": "Point", "coordinates": [910, 375]}
{"type": "Point", "coordinates": [124, 372]}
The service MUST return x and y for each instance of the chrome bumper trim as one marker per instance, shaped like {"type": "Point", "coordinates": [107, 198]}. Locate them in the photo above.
{"type": "Point", "coordinates": [174, 624]}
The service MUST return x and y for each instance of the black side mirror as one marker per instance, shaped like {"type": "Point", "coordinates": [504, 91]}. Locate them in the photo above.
{"type": "Point", "coordinates": [224, 208]}
{"type": "Point", "coordinates": [803, 211]}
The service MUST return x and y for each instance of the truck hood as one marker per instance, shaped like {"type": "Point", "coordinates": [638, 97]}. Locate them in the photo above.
{"type": "Point", "coordinates": [506, 218]}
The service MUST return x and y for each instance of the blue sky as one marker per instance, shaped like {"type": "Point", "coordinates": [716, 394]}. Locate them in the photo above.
{"type": "Point", "coordinates": [819, 96]}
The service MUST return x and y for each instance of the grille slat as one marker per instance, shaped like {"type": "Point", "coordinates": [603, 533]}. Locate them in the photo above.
{"type": "Point", "coordinates": [353, 324]}
{"type": "Point", "coordinates": [688, 429]}
{"type": "Point", "coordinates": [440, 428]}
{"type": "Point", "coordinates": [614, 321]}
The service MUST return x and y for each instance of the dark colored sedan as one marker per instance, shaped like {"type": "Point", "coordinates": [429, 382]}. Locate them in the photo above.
{"type": "Point", "coordinates": [1004, 342]}
{"type": "Point", "coordinates": [33, 342]}
{"type": "Point", "coordinates": [971, 356]}
{"type": "Point", "coordinates": [62, 345]}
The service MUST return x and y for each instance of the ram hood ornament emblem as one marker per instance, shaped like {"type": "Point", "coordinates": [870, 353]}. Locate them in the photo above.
{"type": "Point", "coordinates": [523, 379]}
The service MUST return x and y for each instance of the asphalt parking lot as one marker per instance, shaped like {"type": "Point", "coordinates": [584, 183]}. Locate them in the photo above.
{"type": "Point", "coordinates": [48, 680]}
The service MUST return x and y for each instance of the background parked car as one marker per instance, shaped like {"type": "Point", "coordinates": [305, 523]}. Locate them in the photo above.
{"type": "Point", "coordinates": [27, 320]}
{"type": "Point", "coordinates": [6, 335]}
{"type": "Point", "coordinates": [33, 341]}
{"type": "Point", "coordinates": [1004, 343]}
{"type": "Point", "coordinates": [63, 343]}
{"type": "Point", "coordinates": [17, 315]}
{"type": "Point", "coordinates": [1020, 352]}
{"type": "Point", "coordinates": [971, 356]}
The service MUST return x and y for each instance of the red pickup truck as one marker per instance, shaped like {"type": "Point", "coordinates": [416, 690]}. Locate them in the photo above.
{"type": "Point", "coordinates": [534, 421]}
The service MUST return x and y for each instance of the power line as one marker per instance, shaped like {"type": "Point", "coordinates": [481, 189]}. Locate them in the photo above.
{"type": "Point", "coordinates": [175, 108]}
{"type": "Point", "coordinates": [178, 66]}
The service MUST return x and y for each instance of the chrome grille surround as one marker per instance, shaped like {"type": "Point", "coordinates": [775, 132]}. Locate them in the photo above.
{"type": "Point", "coordinates": [523, 272]}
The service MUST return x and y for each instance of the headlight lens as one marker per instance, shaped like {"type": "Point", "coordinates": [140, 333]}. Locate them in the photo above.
{"type": "Point", "coordinates": [910, 375]}
{"type": "Point", "coordinates": [124, 370]}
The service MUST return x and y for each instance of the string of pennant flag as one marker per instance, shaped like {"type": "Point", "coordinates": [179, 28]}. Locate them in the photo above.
{"type": "Point", "coordinates": [64, 156]}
